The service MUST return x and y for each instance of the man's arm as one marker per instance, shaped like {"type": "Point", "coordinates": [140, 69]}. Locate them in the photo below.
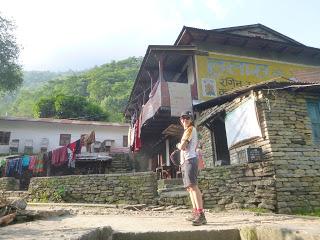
{"type": "Point", "coordinates": [183, 144]}
{"type": "Point", "coordinates": [185, 139]}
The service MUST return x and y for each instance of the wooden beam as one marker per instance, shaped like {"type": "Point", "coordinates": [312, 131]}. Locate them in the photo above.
{"type": "Point", "coordinates": [282, 49]}
{"type": "Point", "coordinates": [244, 43]}
{"type": "Point", "coordinates": [265, 46]}
{"type": "Point", "coordinates": [205, 38]}
{"type": "Point", "coordinates": [226, 41]}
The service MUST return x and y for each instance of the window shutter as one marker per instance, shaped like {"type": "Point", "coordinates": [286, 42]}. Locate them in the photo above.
{"type": "Point", "coordinates": [314, 114]}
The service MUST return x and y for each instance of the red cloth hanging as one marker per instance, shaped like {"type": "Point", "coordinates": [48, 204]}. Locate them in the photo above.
{"type": "Point", "coordinates": [137, 142]}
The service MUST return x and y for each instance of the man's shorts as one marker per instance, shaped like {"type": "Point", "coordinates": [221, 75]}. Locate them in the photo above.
{"type": "Point", "coordinates": [190, 172]}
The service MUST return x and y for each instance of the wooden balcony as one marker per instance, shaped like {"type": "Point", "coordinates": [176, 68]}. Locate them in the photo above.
{"type": "Point", "coordinates": [167, 100]}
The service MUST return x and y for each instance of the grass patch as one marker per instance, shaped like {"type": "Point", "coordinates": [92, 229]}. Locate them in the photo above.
{"type": "Point", "coordinates": [304, 212]}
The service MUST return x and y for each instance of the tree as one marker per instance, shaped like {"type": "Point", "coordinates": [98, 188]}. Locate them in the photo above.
{"type": "Point", "coordinates": [10, 70]}
{"type": "Point", "coordinates": [69, 107]}
{"type": "Point", "coordinates": [45, 108]}
{"type": "Point", "coordinates": [105, 88]}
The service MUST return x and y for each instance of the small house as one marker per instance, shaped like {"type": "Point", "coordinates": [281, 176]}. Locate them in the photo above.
{"type": "Point", "coordinates": [262, 147]}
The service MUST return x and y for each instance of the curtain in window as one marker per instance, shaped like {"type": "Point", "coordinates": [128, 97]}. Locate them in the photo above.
{"type": "Point", "coordinates": [242, 123]}
{"type": "Point", "coordinates": [314, 114]}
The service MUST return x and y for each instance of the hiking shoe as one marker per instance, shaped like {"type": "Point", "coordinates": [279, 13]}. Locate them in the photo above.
{"type": "Point", "coordinates": [192, 216]}
{"type": "Point", "coordinates": [200, 220]}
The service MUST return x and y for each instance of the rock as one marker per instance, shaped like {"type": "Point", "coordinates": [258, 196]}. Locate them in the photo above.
{"type": "Point", "coordinates": [19, 203]}
{"type": "Point", "coordinates": [135, 207]}
{"type": "Point", "coordinates": [7, 219]}
{"type": "Point", "coordinates": [159, 209]}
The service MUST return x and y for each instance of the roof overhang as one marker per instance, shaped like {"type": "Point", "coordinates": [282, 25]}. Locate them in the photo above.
{"type": "Point", "coordinates": [189, 35]}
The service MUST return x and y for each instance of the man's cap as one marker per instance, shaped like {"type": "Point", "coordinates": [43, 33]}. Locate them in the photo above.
{"type": "Point", "coordinates": [186, 114]}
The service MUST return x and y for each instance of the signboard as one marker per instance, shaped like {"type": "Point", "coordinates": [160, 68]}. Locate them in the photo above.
{"type": "Point", "coordinates": [218, 73]}
{"type": "Point", "coordinates": [250, 155]}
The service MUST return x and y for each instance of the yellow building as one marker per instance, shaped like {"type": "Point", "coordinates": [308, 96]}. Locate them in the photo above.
{"type": "Point", "coordinates": [220, 73]}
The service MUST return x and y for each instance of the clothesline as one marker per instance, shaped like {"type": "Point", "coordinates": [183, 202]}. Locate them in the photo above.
{"type": "Point", "coordinates": [36, 163]}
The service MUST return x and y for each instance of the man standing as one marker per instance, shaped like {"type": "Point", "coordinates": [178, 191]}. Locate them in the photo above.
{"type": "Point", "coordinates": [189, 166]}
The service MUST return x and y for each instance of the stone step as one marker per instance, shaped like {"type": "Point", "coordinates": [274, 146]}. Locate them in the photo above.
{"type": "Point", "coordinates": [174, 194]}
{"type": "Point", "coordinates": [170, 183]}
{"type": "Point", "coordinates": [174, 198]}
{"type": "Point", "coordinates": [170, 189]}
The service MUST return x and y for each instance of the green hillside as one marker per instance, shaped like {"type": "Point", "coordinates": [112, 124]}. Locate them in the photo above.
{"type": "Point", "coordinates": [105, 88]}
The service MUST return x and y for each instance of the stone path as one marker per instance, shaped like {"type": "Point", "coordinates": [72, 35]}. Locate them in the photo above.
{"type": "Point", "coordinates": [84, 219]}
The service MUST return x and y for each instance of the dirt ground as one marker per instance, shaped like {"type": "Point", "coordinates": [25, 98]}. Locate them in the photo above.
{"type": "Point", "coordinates": [141, 219]}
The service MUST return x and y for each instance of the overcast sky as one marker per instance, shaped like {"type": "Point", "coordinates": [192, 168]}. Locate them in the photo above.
{"type": "Point", "coordinates": [59, 35]}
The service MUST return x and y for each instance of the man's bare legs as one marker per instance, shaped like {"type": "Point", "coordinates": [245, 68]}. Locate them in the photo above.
{"type": "Point", "coordinates": [195, 196]}
{"type": "Point", "coordinates": [197, 203]}
{"type": "Point", "coordinates": [193, 215]}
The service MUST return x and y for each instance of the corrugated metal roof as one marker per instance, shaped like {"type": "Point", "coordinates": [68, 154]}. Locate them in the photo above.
{"type": "Point", "coordinates": [308, 76]}
{"type": "Point", "coordinates": [258, 25]}
{"type": "Point", "coordinates": [269, 85]}
{"type": "Point", "coordinates": [64, 121]}
{"type": "Point", "coordinates": [189, 34]}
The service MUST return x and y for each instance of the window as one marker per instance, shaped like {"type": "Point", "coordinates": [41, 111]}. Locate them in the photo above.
{"type": "Point", "coordinates": [44, 143]}
{"type": "Point", "coordinates": [28, 146]}
{"type": "Point", "coordinates": [14, 146]}
{"type": "Point", "coordinates": [4, 138]}
{"type": "Point", "coordinates": [65, 139]}
{"type": "Point", "coordinates": [219, 140]}
{"type": "Point", "coordinates": [125, 141]}
{"type": "Point", "coordinates": [314, 114]}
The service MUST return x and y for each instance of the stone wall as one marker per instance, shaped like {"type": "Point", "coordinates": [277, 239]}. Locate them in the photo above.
{"type": "Point", "coordinates": [287, 147]}
{"type": "Point", "coordinates": [131, 188]}
{"type": "Point", "coordinates": [14, 194]}
{"type": "Point", "coordinates": [296, 156]}
{"type": "Point", "coordinates": [249, 185]}
{"type": "Point", "coordinates": [207, 151]}
{"type": "Point", "coordinates": [9, 184]}
{"type": "Point", "coordinates": [262, 142]}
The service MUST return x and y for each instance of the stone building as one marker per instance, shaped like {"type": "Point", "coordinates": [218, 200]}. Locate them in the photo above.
{"type": "Point", "coordinates": [262, 147]}
{"type": "Point", "coordinates": [202, 65]}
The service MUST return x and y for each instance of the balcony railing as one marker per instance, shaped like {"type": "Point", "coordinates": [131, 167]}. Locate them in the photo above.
{"type": "Point", "coordinates": [173, 96]}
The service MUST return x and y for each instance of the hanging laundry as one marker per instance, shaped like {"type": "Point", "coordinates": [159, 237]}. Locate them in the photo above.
{"type": "Point", "coordinates": [75, 147]}
{"type": "Point", "coordinates": [2, 162]}
{"type": "Point", "coordinates": [39, 164]}
{"type": "Point", "coordinates": [71, 162]}
{"type": "Point", "coordinates": [12, 167]}
{"type": "Point", "coordinates": [137, 139]}
{"type": "Point", "coordinates": [32, 162]}
{"type": "Point", "coordinates": [19, 166]}
{"type": "Point", "coordinates": [59, 156]}
{"type": "Point", "coordinates": [25, 161]}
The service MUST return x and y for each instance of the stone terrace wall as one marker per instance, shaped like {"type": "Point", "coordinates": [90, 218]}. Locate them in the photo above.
{"type": "Point", "coordinates": [131, 188]}
{"type": "Point", "coordinates": [206, 141]}
{"type": "Point", "coordinates": [14, 194]}
{"type": "Point", "coordinates": [296, 157]}
{"type": "Point", "coordinates": [240, 186]}
{"type": "Point", "coordinates": [9, 184]}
